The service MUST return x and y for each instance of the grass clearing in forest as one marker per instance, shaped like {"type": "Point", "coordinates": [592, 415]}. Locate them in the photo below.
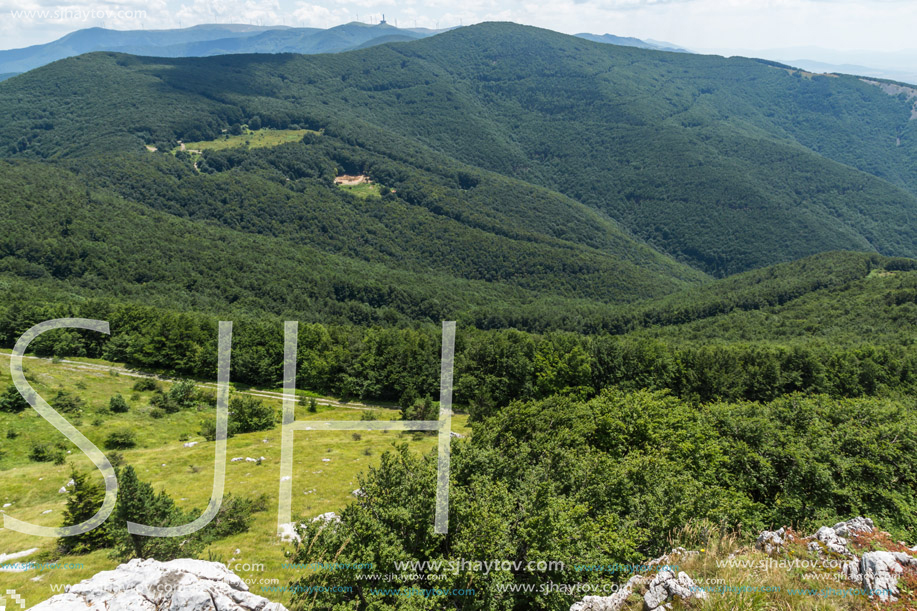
{"type": "Point", "coordinates": [326, 466]}
{"type": "Point", "coordinates": [262, 138]}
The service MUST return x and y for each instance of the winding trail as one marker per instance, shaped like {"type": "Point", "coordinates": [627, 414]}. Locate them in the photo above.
{"type": "Point", "coordinates": [264, 394]}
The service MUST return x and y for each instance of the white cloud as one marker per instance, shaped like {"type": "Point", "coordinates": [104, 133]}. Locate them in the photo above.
{"type": "Point", "coordinates": [265, 12]}
{"type": "Point", "coordinates": [316, 15]}
{"type": "Point", "coordinates": [697, 24]}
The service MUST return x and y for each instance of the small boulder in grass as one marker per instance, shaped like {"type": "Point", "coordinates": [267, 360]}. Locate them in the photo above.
{"type": "Point", "coordinates": [666, 585]}
{"type": "Point", "coordinates": [770, 541]}
{"type": "Point", "coordinates": [287, 532]}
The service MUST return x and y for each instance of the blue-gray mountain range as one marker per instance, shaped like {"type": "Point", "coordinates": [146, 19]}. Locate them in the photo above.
{"type": "Point", "coordinates": [221, 39]}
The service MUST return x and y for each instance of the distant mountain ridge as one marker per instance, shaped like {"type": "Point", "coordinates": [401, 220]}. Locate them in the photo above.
{"type": "Point", "coordinates": [206, 40]}
{"type": "Point", "coordinates": [223, 39]}
{"type": "Point", "coordinates": [629, 41]}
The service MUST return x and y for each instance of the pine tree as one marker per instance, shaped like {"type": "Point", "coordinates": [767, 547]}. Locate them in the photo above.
{"type": "Point", "coordinates": [84, 501]}
{"type": "Point", "coordinates": [139, 503]}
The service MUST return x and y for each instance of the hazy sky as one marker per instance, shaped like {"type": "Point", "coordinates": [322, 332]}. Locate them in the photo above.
{"type": "Point", "coordinates": [714, 25]}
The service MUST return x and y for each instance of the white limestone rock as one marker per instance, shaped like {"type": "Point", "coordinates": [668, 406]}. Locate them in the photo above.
{"type": "Point", "coordinates": [327, 517]}
{"type": "Point", "coordinates": [609, 603]}
{"type": "Point", "coordinates": [770, 541]}
{"type": "Point", "coordinates": [150, 585]}
{"type": "Point", "coordinates": [288, 532]}
{"type": "Point", "coordinates": [831, 540]}
{"type": "Point", "coordinates": [666, 585]}
{"type": "Point", "coordinates": [858, 524]}
{"type": "Point", "coordinates": [880, 572]}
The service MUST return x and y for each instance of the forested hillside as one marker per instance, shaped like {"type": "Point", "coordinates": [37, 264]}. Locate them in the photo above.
{"type": "Point", "coordinates": [724, 164]}
{"type": "Point", "coordinates": [448, 228]}
{"type": "Point", "coordinates": [685, 290]}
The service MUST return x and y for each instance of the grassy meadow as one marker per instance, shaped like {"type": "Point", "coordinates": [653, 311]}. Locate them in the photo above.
{"type": "Point", "coordinates": [261, 138]}
{"type": "Point", "coordinates": [186, 474]}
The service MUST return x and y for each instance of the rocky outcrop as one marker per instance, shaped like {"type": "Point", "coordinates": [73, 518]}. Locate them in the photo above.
{"type": "Point", "coordinates": [15, 567]}
{"type": "Point", "coordinates": [856, 525]}
{"type": "Point", "coordinates": [288, 532]}
{"type": "Point", "coordinates": [664, 586]}
{"type": "Point", "coordinates": [770, 541]}
{"type": "Point", "coordinates": [150, 585]}
{"type": "Point", "coordinates": [834, 538]}
{"type": "Point", "coordinates": [880, 571]}
{"type": "Point", "coordinates": [828, 537]}
{"type": "Point", "coordinates": [876, 572]}
{"type": "Point", "coordinates": [613, 602]}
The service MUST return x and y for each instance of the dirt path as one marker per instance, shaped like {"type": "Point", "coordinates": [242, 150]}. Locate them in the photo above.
{"type": "Point", "coordinates": [264, 394]}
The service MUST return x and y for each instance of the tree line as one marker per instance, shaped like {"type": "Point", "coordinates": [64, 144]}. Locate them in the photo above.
{"type": "Point", "coordinates": [493, 367]}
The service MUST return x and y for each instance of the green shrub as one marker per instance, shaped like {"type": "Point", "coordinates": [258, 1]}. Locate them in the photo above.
{"type": "Point", "coordinates": [145, 384]}
{"type": "Point", "coordinates": [422, 409]}
{"type": "Point", "coordinates": [207, 396]}
{"type": "Point", "coordinates": [250, 414]}
{"type": "Point", "coordinates": [118, 405]}
{"type": "Point", "coordinates": [183, 394]}
{"type": "Point", "coordinates": [43, 452]}
{"type": "Point", "coordinates": [161, 400]}
{"type": "Point", "coordinates": [138, 502]}
{"type": "Point", "coordinates": [65, 402]}
{"type": "Point", "coordinates": [208, 429]}
{"type": "Point", "coordinates": [11, 401]}
{"type": "Point", "coordinates": [121, 439]}
{"type": "Point", "coordinates": [246, 414]}
{"type": "Point", "coordinates": [235, 516]}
